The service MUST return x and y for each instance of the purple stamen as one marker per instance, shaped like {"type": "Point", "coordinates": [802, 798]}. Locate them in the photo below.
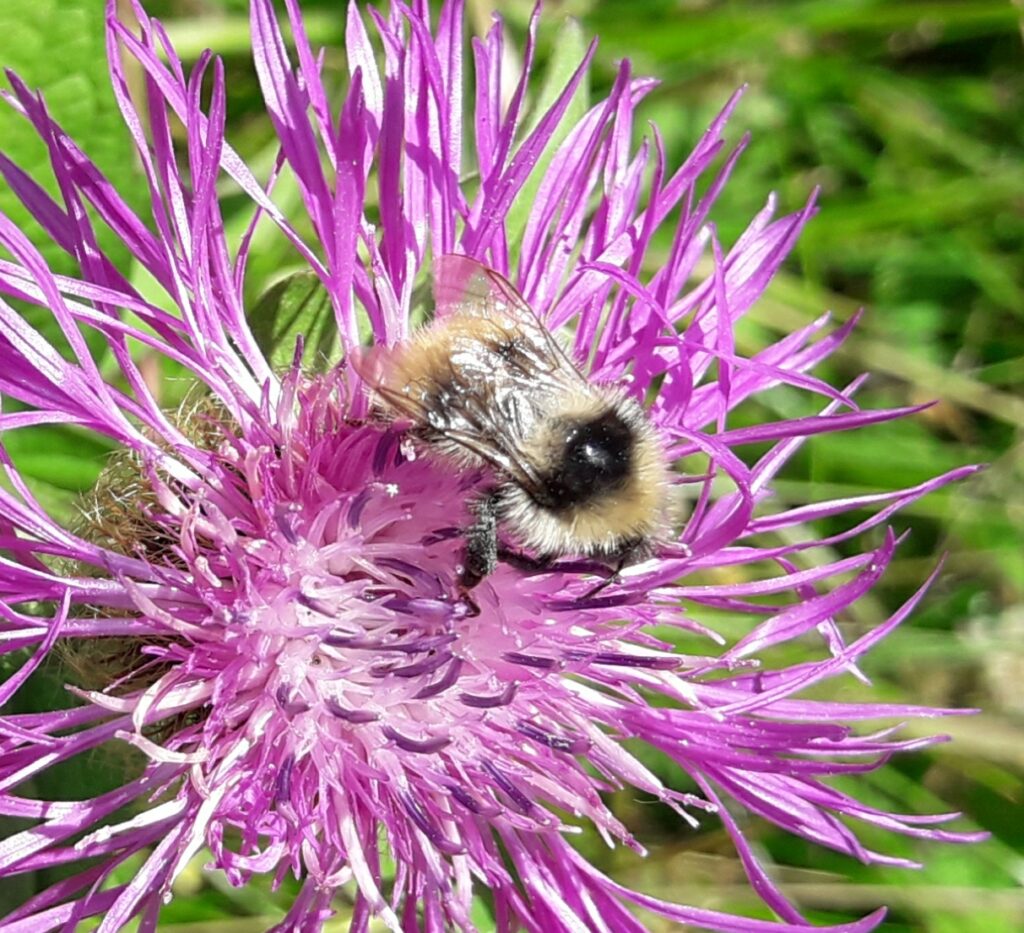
{"type": "Point", "coordinates": [489, 702]}
{"type": "Point", "coordinates": [356, 506]}
{"type": "Point", "coordinates": [354, 716]}
{"type": "Point", "coordinates": [290, 707]}
{"type": "Point", "coordinates": [617, 659]}
{"type": "Point", "coordinates": [426, 643]}
{"type": "Point", "coordinates": [440, 842]}
{"type": "Point", "coordinates": [415, 575]}
{"type": "Point", "coordinates": [426, 609]}
{"type": "Point", "coordinates": [445, 682]}
{"type": "Point", "coordinates": [441, 534]}
{"type": "Point", "coordinates": [319, 606]}
{"type": "Point", "coordinates": [283, 781]}
{"type": "Point", "coordinates": [382, 452]}
{"type": "Point", "coordinates": [559, 743]}
{"type": "Point", "coordinates": [427, 666]}
{"type": "Point", "coordinates": [422, 746]}
{"type": "Point", "coordinates": [522, 802]}
{"type": "Point", "coordinates": [467, 799]}
{"type": "Point", "coordinates": [530, 660]}
{"type": "Point", "coordinates": [285, 517]}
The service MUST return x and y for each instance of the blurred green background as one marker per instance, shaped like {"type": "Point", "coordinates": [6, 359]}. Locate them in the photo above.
{"type": "Point", "coordinates": [910, 118]}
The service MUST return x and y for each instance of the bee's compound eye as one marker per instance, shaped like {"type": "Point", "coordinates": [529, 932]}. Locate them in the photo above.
{"type": "Point", "coordinates": [597, 457]}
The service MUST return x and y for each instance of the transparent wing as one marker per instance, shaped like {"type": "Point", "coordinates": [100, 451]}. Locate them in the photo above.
{"type": "Point", "coordinates": [496, 379]}
{"type": "Point", "coordinates": [475, 403]}
{"type": "Point", "coordinates": [489, 442]}
{"type": "Point", "coordinates": [465, 286]}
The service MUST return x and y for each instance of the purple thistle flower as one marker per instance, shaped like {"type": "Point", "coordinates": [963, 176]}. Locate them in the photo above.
{"type": "Point", "coordinates": [306, 690]}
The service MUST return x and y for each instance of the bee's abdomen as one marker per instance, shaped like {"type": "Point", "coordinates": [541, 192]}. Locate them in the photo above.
{"type": "Point", "coordinates": [593, 459]}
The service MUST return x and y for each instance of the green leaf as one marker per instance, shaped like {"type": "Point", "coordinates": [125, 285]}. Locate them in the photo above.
{"type": "Point", "coordinates": [58, 462]}
{"type": "Point", "coordinates": [58, 47]}
{"type": "Point", "coordinates": [297, 305]}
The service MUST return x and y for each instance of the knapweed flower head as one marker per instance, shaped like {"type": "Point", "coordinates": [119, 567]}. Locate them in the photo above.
{"type": "Point", "coordinates": [274, 569]}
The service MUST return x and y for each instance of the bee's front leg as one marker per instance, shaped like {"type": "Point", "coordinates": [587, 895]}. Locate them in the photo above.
{"type": "Point", "coordinates": [481, 551]}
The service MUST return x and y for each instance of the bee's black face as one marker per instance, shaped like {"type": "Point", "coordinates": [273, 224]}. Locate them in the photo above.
{"type": "Point", "coordinates": [594, 461]}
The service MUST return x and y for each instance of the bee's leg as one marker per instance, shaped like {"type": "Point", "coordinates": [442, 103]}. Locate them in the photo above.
{"type": "Point", "coordinates": [472, 606]}
{"type": "Point", "coordinates": [630, 554]}
{"type": "Point", "coordinates": [481, 552]}
{"type": "Point", "coordinates": [522, 561]}
{"type": "Point", "coordinates": [613, 577]}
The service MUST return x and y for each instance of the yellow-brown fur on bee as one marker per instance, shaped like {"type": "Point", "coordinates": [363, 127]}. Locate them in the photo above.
{"type": "Point", "coordinates": [578, 467]}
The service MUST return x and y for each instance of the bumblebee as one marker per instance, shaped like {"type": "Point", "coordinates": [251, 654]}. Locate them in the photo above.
{"type": "Point", "coordinates": [577, 467]}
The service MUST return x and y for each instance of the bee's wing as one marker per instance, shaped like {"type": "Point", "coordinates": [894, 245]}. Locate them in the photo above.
{"type": "Point", "coordinates": [505, 393]}
{"type": "Point", "coordinates": [498, 377]}
{"type": "Point", "coordinates": [485, 409]}
{"type": "Point", "coordinates": [464, 286]}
